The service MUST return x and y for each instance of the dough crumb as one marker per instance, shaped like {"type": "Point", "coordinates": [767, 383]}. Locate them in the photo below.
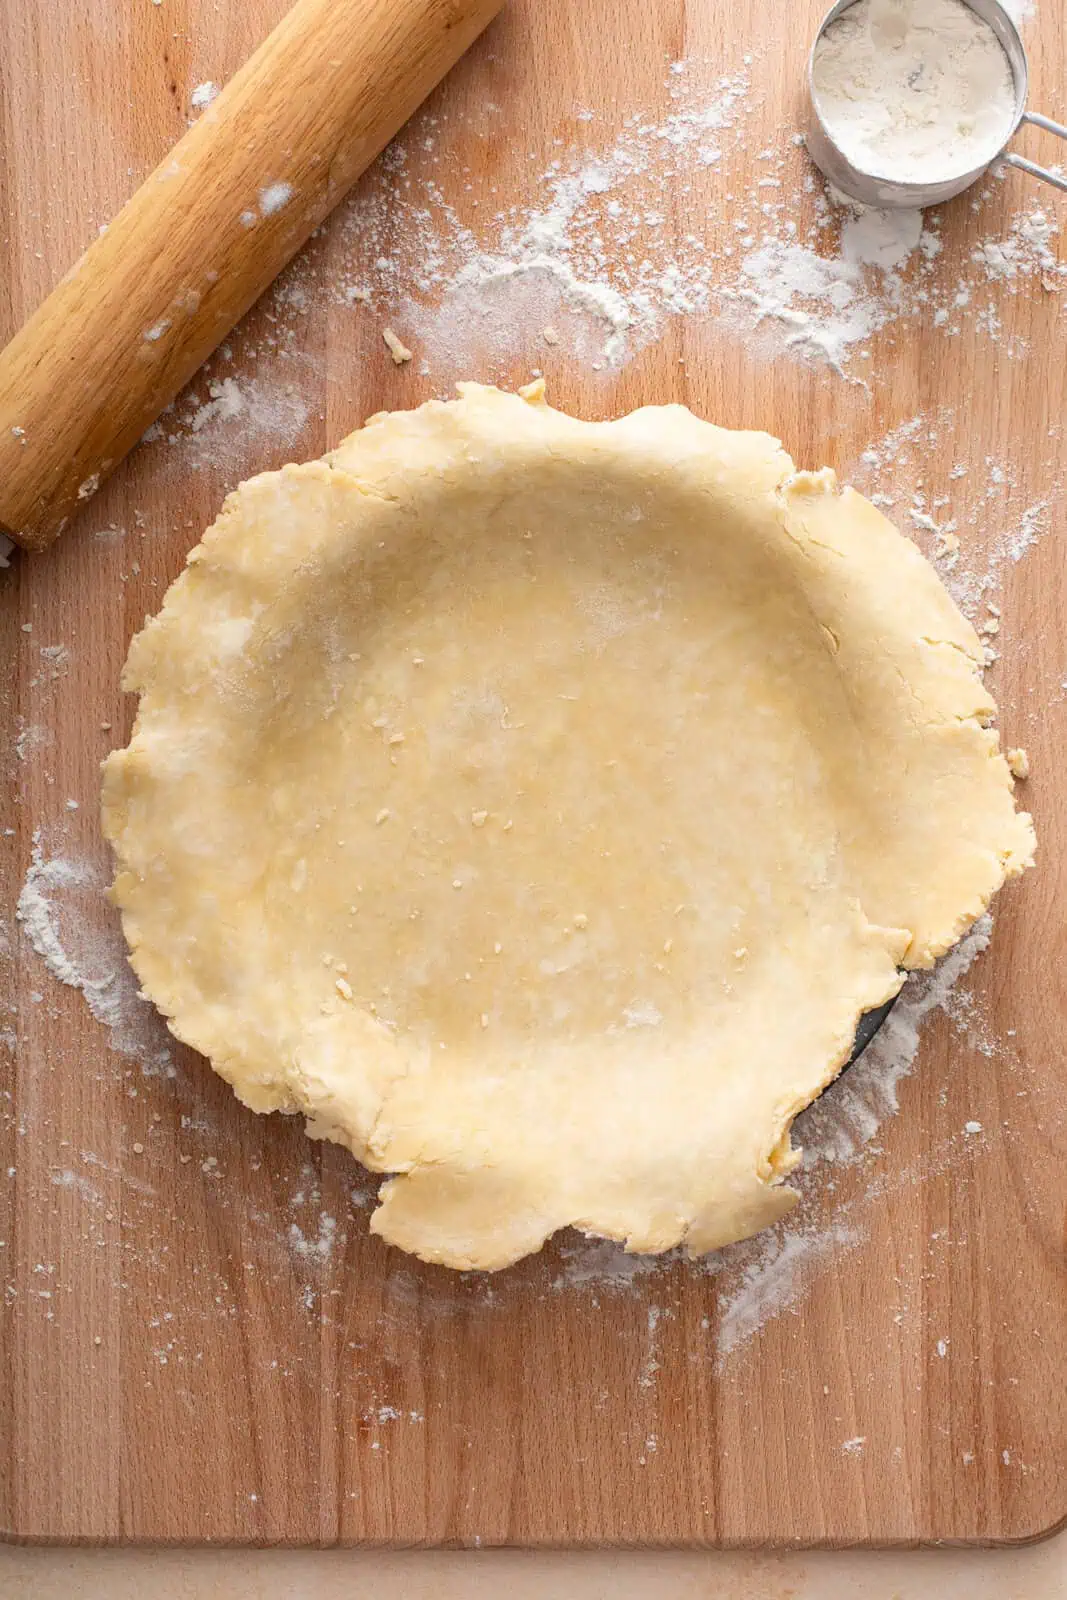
{"type": "Point", "coordinates": [1019, 762]}
{"type": "Point", "coordinates": [741, 952]}
{"type": "Point", "coordinates": [343, 987]}
{"type": "Point", "coordinates": [383, 816]}
{"type": "Point", "coordinates": [397, 349]}
{"type": "Point", "coordinates": [581, 920]}
{"type": "Point", "coordinates": [478, 818]}
{"type": "Point", "coordinates": [550, 336]}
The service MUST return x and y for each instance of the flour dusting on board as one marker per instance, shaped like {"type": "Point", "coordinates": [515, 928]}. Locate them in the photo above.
{"type": "Point", "coordinates": [234, 423]}
{"type": "Point", "coordinates": [637, 221]}
{"type": "Point", "coordinates": [770, 1279]}
{"type": "Point", "coordinates": [849, 1115]}
{"type": "Point", "coordinates": [63, 914]}
{"type": "Point", "coordinates": [672, 215]}
{"type": "Point", "coordinates": [668, 221]}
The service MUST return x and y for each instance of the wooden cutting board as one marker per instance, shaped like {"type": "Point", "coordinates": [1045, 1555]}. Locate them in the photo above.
{"type": "Point", "coordinates": [200, 1341]}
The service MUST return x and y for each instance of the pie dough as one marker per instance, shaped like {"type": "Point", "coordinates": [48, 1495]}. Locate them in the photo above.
{"type": "Point", "coordinates": [536, 804]}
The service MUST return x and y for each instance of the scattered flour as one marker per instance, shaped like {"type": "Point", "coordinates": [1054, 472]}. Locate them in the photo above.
{"type": "Point", "coordinates": [230, 428]}
{"type": "Point", "coordinates": [1024, 252]}
{"type": "Point", "coordinates": [666, 214]}
{"type": "Point", "coordinates": [383, 1414]}
{"type": "Point", "coordinates": [602, 1264]}
{"type": "Point", "coordinates": [30, 739]}
{"type": "Point", "coordinates": [63, 913]}
{"type": "Point", "coordinates": [226, 402]}
{"type": "Point", "coordinates": [55, 664]}
{"type": "Point", "coordinates": [848, 1116]}
{"type": "Point", "coordinates": [319, 1248]}
{"type": "Point", "coordinates": [274, 197]}
{"type": "Point", "coordinates": [775, 1277]}
{"type": "Point", "coordinates": [974, 524]}
{"type": "Point", "coordinates": [1031, 525]}
{"type": "Point", "coordinates": [884, 238]}
{"type": "Point", "coordinates": [203, 95]}
{"type": "Point", "coordinates": [587, 253]}
{"type": "Point", "coordinates": [68, 1179]}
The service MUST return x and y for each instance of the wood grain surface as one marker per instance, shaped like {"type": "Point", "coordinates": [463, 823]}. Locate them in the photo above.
{"type": "Point", "coordinates": [227, 208]}
{"type": "Point", "coordinates": [200, 1341]}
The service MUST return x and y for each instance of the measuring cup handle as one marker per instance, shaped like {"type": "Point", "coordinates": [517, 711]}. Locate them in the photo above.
{"type": "Point", "coordinates": [1043, 122]}
{"type": "Point", "coordinates": [1032, 167]}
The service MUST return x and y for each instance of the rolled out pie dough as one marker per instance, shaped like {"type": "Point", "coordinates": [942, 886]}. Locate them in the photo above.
{"type": "Point", "coordinates": [536, 804]}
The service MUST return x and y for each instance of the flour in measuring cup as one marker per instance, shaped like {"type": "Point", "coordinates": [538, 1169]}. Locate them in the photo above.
{"type": "Point", "coordinates": [914, 92]}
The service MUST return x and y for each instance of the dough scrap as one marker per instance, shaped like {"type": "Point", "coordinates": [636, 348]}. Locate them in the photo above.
{"type": "Point", "coordinates": [536, 804]}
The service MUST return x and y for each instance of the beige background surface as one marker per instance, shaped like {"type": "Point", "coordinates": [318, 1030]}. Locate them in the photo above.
{"type": "Point", "coordinates": [1038, 1572]}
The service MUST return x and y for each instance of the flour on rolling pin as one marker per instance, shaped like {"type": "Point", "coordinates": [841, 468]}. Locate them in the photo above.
{"type": "Point", "coordinates": [914, 92]}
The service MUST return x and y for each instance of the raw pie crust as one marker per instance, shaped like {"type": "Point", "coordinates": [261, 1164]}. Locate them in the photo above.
{"type": "Point", "coordinates": [536, 804]}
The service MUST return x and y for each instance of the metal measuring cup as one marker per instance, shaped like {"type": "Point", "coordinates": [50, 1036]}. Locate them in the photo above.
{"type": "Point", "coordinates": [888, 193]}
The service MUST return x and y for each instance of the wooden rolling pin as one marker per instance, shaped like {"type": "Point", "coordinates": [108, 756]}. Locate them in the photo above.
{"type": "Point", "coordinates": [215, 223]}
